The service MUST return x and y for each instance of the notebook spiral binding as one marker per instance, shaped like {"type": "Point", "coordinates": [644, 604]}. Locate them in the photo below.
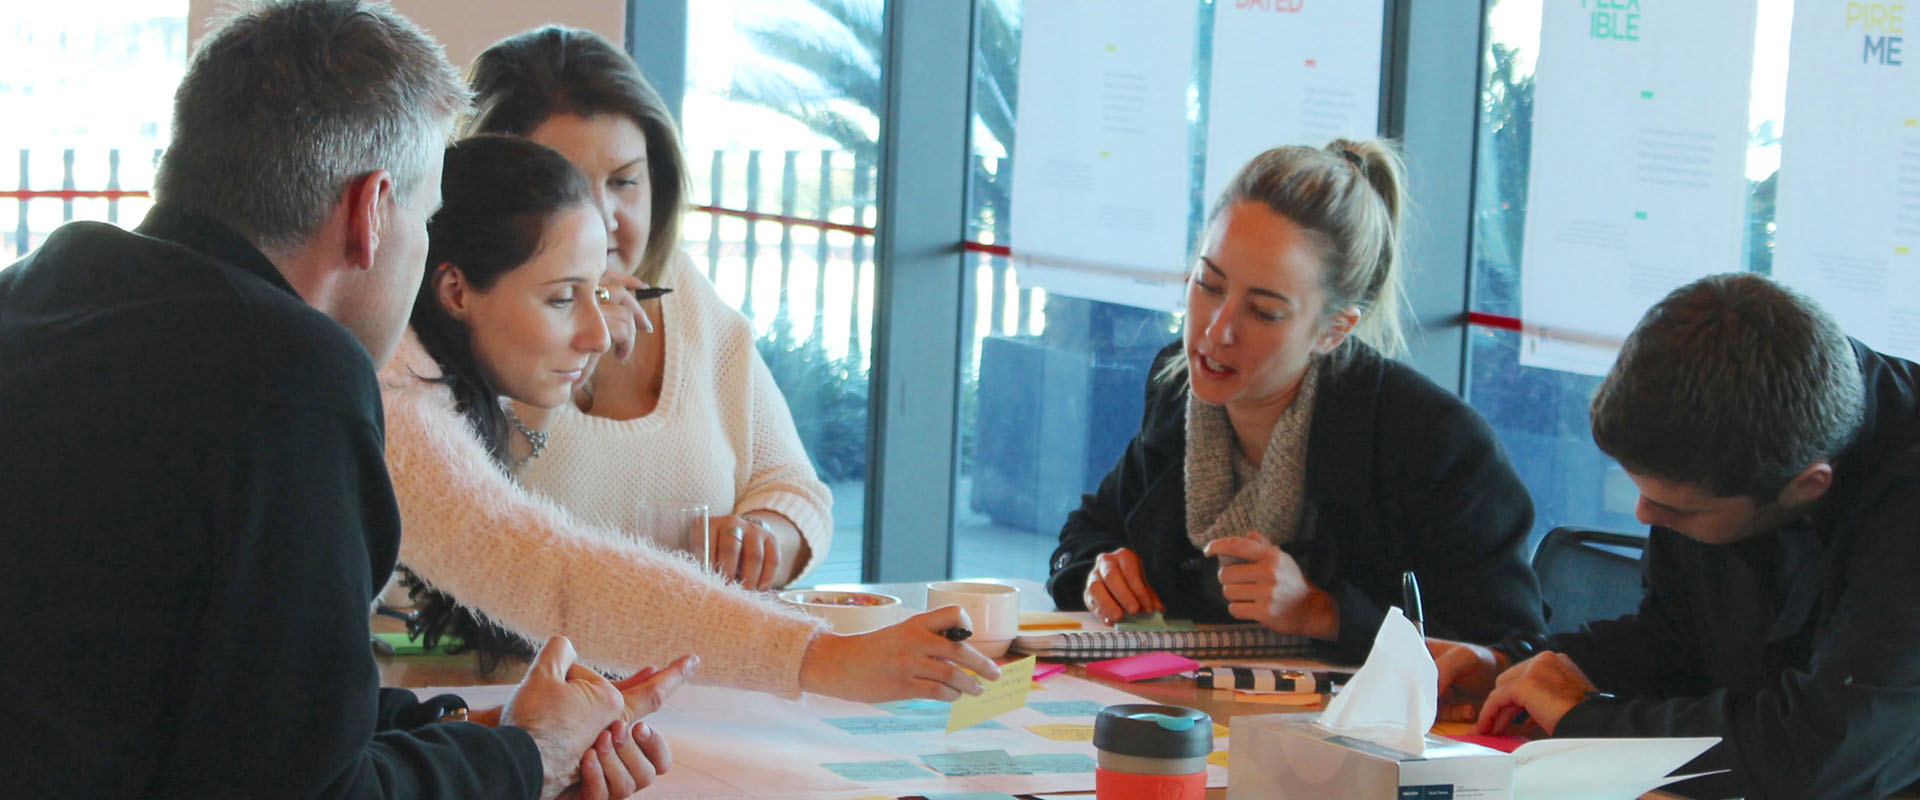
{"type": "Point", "coordinates": [1226, 641]}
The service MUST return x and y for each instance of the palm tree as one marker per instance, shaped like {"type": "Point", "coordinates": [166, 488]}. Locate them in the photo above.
{"type": "Point", "coordinates": [824, 70]}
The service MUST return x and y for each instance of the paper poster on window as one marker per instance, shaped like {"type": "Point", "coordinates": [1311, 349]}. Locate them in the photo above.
{"type": "Point", "coordinates": [1636, 181]}
{"type": "Point", "coordinates": [1290, 72]}
{"type": "Point", "coordinates": [1848, 209]}
{"type": "Point", "coordinates": [1102, 171]}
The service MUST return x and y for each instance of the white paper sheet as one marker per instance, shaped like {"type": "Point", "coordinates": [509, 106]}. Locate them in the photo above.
{"type": "Point", "coordinates": [1101, 171]}
{"type": "Point", "coordinates": [1600, 769]}
{"type": "Point", "coordinates": [738, 745]}
{"type": "Point", "coordinates": [1848, 207]}
{"type": "Point", "coordinates": [1636, 184]}
{"type": "Point", "coordinates": [1287, 72]}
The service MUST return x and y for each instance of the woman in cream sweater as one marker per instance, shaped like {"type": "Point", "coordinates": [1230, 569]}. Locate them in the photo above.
{"type": "Point", "coordinates": [507, 312]}
{"type": "Point", "coordinates": [692, 414]}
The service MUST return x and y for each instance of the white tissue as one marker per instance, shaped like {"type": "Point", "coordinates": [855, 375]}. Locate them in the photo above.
{"type": "Point", "coordinates": [1392, 700]}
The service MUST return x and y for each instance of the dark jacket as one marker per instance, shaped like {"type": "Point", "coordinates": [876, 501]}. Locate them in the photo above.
{"type": "Point", "coordinates": [194, 514]}
{"type": "Point", "coordinates": [1800, 648]}
{"type": "Point", "coordinates": [1400, 476]}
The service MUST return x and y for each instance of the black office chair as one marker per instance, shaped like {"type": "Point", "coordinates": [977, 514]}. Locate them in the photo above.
{"type": "Point", "coordinates": [1587, 575]}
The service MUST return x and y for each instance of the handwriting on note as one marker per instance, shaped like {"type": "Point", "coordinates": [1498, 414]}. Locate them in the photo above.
{"type": "Point", "coordinates": [1000, 696]}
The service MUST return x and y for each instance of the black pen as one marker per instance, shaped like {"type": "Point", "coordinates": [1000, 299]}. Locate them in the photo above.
{"type": "Point", "coordinates": [650, 292]}
{"type": "Point", "coordinates": [956, 634]}
{"type": "Point", "coordinates": [1410, 593]}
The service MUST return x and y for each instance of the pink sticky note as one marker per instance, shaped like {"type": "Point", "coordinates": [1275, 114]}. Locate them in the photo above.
{"type": "Point", "coordinates": [1045, 671]}
{"type": "Point", "coordinates": [1141, 667]}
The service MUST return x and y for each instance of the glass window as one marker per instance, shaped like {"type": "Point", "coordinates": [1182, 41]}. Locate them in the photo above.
{"type": "Point", "coordinates": [1541, 414]}
{"type": "Point", "coordinates": [781, 129]}
{"type": "Point", "coordinates": [85, 94]}
{"type": "Point", "coordinates": [1051, 385]}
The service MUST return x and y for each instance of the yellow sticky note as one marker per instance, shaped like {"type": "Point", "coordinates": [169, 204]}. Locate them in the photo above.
{"type": "Point", "coordinates": [1064, 733]}
{"type": "Point", "coordinates": [1219, 730]}
{"type": "Point", "coordinates": [1217, 758]}
{"type": "Point", "coordinates": [1000, 697]}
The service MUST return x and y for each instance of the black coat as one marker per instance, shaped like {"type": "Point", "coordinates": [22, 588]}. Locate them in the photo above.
{"type": "Point", "coordinates": [1800, 648]}
{"type": "Point", "coordinates": [194, 515]}
{"type": "Point", "coordinates": [1400, 475]}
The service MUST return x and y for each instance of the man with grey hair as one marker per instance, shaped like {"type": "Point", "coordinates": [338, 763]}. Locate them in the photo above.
{"type": "Point", "coordinates": [197, 508]}
{"type": "Point", "coordinates": [1778, 462]}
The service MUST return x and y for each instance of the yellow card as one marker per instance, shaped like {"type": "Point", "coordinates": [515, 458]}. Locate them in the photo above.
{"type": "Point", "coordinates": [1048, 621]}
{"type": "Point", "coordinates": [1000, 697]}
{"type": "Point", "coordinates": [1219, 730]}
{"type": "Point", "coordinates": [1064, 733]}
{"type": "Point", "coordinates": [1279, 699]}
{"type": "Point", "coordinates": [1217, 758]}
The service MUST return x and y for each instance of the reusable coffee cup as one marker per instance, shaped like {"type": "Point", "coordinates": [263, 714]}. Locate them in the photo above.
{"type": "Point", "coordinates": [994, 609]}
{"type": "Point", "coordinates": [1148, 750]}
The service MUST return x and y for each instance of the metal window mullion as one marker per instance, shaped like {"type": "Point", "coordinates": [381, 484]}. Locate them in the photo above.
{"type": "Point", "coordinates": [918, 338]}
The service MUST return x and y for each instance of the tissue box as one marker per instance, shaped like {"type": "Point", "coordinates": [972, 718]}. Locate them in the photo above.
{"type": "Point", "coordinates": [1287, 755]}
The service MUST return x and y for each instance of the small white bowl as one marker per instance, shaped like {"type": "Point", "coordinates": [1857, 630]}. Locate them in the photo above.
{"type": "Point", "coordinates": [846, 612]}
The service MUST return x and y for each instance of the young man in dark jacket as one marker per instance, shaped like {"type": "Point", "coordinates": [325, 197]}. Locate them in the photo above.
{"type": "Point", "coordinates": [196, 506]}
{"type": "Point", "coordinates": [1779, 465]}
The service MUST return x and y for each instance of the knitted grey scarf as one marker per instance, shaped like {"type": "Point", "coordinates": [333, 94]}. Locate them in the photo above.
{"type": "Point", "coordinates": [1217, 505]}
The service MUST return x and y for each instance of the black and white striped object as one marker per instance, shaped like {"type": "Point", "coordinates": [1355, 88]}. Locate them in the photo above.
{"type": "Point", "coordinates": [1262, 679]}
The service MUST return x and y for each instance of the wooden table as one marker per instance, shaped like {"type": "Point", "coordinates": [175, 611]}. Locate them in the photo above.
{"type": "Point", "coordinates": [444, 670]}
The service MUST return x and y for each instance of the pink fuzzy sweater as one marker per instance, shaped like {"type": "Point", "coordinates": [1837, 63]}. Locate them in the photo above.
{"type": "Point", "coordinates": [472, 532]}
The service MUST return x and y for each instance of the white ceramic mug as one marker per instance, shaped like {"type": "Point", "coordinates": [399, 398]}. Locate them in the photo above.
{"type": "Point", "coordinates": [994, 609]}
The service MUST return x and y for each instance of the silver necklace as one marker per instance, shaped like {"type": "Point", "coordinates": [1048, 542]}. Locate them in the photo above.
{"type": "Point", "coordinates": [536, 440]}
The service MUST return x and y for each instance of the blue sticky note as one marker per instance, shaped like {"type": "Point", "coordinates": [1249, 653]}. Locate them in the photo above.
{"type": "Point", "coordinates": [1055, 763]}
{"type": "Point", "coordinates": [876, 771]}
{"type": "Point", "coordinates": [863, 726]}
{"type": "Point", "coordinates": [918, 723]}
{"type": "Point", "coordinates": [976, 762]}
{"type": "Point", "coordinates": [915, 708]}
{"type": "Point", "coordinates": [1066, 708]}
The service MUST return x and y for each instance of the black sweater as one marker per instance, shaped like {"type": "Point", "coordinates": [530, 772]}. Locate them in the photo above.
{"type": "Point", "coordinates": [195, 513]}
{"type": "Point", "coordinates": [1800, 648]}
{"type": "Point", "coordinates": [1400, 476]}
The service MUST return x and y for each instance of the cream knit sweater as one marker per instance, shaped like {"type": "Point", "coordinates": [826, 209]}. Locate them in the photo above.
{"type": "Point", "coordinates": [721, 434]}
{"type": "Point", "coordinates": [472, 532]}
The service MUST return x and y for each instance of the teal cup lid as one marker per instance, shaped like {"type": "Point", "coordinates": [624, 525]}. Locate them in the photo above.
{"type": "Point", "coordinates": [1153, 731]}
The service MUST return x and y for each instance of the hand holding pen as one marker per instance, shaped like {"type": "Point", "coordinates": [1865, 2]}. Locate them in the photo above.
{"type": "Point", "coordinates": [619, 295]}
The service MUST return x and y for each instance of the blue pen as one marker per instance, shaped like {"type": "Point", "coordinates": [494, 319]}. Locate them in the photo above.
{"type": "Point", "coordinates": [1410, 593]}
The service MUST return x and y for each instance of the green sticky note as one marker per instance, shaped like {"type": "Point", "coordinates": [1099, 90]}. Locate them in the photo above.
{"type": "Point", "coordinates": [1646, 94]}
{"type": "Point", "coordinates": [1639, 215]}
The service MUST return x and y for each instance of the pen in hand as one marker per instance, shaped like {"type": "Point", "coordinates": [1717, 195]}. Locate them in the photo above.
{"type": "Point", "coordinates": [956, 634]}
{"type": "Point", "coordinates": [650, 292]}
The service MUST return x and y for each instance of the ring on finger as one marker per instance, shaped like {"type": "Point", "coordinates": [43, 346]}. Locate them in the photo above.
{"type": "Point", "coordinates": [603, 294]}
{"type": "Point", "coordinates": [739, 533]}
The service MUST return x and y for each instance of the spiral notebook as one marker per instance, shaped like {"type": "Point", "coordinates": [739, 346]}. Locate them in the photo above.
{"type": "Point", "coordinates": [1213, 641]}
